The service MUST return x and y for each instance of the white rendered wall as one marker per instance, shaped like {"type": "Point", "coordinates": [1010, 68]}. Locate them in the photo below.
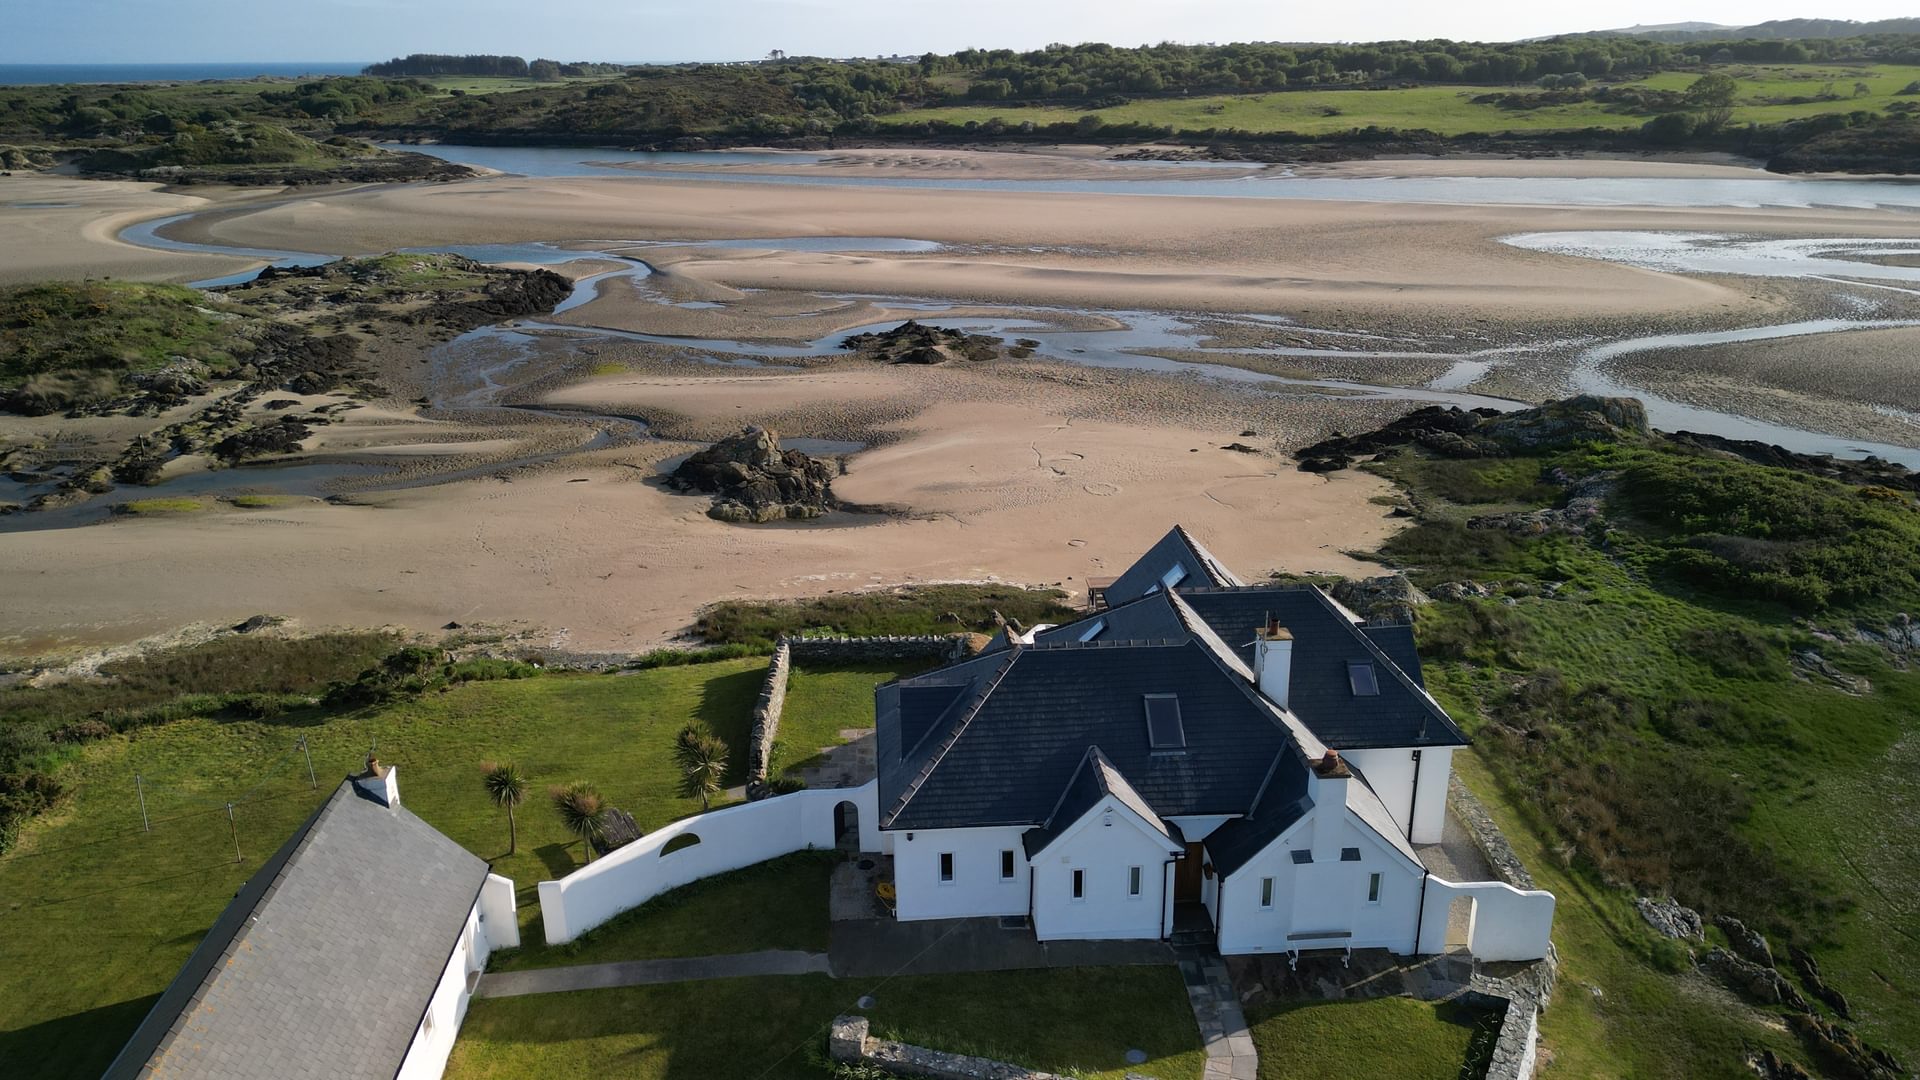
{"type": "Point", "coordinates": [1197, 827]}
{"type": "Point", "coordinates": [1507, 923]}
{"type": "Point", "coordinates": [1390, 773]}
{"type": "Point", "coordinates": [1105, 853]}
{"type": "Point", "coordinates": [732, 838]}
{"type": "Point", "coordinates": [499, 914]}
{"type": "Point", "coordinates": [1340, 891]}
{"type": "Point", "coordinates": [976, 889]}
{"type": "Point", "coordinates": [427, 1058]}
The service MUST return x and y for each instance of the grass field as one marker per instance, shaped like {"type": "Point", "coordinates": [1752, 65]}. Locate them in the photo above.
{"type": "Point", "coordinates": [822, 703]}
{"type": "Point", "coordinates": [1377, 1039]}
{"type": "Point", "coordinates": [1450, 110]}
{"type": "Point", "coordinates": [483, 84]}
{"type": "Point", "coordinates": [96, 915]}
{"type": "Point", "coordinates": [775, 1028]}
{"type": "Point", "coordinates": [777, 904]}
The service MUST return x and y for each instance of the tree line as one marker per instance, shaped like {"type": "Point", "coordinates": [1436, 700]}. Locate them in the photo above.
{"type": "Point", "coordinates": [428, 65]}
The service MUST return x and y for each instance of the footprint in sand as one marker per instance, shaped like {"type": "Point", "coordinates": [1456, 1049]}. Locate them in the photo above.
{"type": "Point", "coordinates": [1101, 489]}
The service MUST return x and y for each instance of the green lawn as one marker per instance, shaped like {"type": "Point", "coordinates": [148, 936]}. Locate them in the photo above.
{"type": "Point", "coordinates": [775, 1028]}
{"type": "Point", "coordinates": [777, 904]}
{"type": "Point", "coordinates": [1378, 1039]}
{"type": "Point", "coordinates": [821, 702]}
{"type": "Point", "coordinates": [496, 84]}
{"type": "Point", "coordinates": [96, 916]}
{"type": "Point", "coordinates": [1450, 110]}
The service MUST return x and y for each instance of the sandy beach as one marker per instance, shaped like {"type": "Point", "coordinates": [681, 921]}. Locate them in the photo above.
{"type": "Point", "coordinates": [59, 228]}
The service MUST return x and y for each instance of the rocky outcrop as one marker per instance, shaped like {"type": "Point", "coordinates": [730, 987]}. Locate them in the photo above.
{"type": "Point", "coordinates": [1671, 918]}
{"type": "Point", "coordinates": [753, 480]}
{"type": "Point", "coordinates": [1748, 944]}
{"type": "Point", "coordinates": [1455, 432]}
{"type": "Point", "coordinates": [1758, 984]}
{"type": "Point", "coordinates": [1845, 1054]}
{"type": "Point", "coordinates": [1810, 977]}
{"type": "Point", "coordinates": [1867, 470]}
{"type": "Point", "coordinates": [916, 343]}
{"type": "Point", "coordinates": [1387, 598]}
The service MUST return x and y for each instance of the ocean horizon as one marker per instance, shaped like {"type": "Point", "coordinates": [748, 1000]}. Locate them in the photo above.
{"type": "Point", "coordinates": [56, 74]}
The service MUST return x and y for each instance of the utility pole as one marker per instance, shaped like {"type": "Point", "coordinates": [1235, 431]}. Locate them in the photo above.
{"type": "Point", "coordinates": [235, 830]}
{"type": "Point", "coordinates": [140, 789]}
{"type": "Point", "coordinates": [312, 780]}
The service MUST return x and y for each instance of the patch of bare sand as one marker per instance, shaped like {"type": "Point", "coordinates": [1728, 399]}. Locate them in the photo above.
{"type": "Point", "coordinates": [1316, 259]}
{"type": "Point", "coordinates": [1040, 163]}
{"type": "Point", "coordinates": [1016, 490]}
{"type": "Point", "coordinates": [55, 228]}
{"type": "Point", "coordinates": [1702, 167]}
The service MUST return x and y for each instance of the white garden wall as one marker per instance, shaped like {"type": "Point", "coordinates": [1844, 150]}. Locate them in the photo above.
{"type": "Point", "coordinates": [976, 889]}
{"type": "Point", "coordinates": [730, 839]}
{"type": "Point", "coordinates": [1507, 923]}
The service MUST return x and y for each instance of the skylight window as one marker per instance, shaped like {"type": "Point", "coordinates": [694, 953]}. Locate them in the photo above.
{"type": "Point", "coordinates": [1099, 627]}
{"type": "Point", "coordinates": [1164, 731]}
{"type": "Point", "coordinates": [1175, 575]}
{"type": "Point", "coordinates": [1361, 677]}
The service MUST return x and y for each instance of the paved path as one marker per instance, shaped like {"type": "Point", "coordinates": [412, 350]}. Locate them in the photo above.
{"type": "Point", "coordinates": [648, 972]}
{"type": "Point", "coordinates": [1223, 1027]}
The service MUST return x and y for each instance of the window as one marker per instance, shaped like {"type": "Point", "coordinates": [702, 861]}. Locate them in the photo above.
{"type": "Point", "coordinates": [1361, 678]}
{"type": "Point", "coordinates": [1373, 888]}
{"type": "Point", "coordinates": [1266, 892]}
{"type": "Point", "coordinates": [1175, 575]}
{"type": "Point", "coordinates": [1099, 627]}
{"type": "Point", "coordinates": [1302, 857]}
{"type": "Point", "coordinates": [1164, 730]}
{"type": "Point", "coordinates": [946, 868]}
{"type": "Point", "coordinates": [1133, 881]}
{"type": "Point", "coordinates": [1349, 854]}
{"type": "Point", "coordinates": [1006, 866]}
{"type": "Point", "coordinates": [1079, 884]}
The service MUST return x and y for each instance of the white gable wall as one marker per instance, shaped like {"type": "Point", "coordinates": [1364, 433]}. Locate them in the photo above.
{"type": "Point", "coordinates": [1104, 844]}
{"type": "Point", "coordinates": [976, 889]}
{"type": "Point", "coordinates": [1326, 895]}
{"type": "Point", "coordinates": [1390, 773]}
{"type": "Point", "coordinates": [492, 923]}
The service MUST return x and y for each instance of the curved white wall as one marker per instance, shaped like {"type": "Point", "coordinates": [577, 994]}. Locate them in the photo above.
{"type": "Point", "coordinates": [732, 838]}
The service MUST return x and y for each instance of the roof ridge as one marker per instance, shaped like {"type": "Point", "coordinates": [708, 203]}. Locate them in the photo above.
{"type": "Point", "coordinates": [953, 735]}
{"type": "Point", "coordinates": [1198, 628]}
{"type": "Point", "coordinates": [1092, 749]}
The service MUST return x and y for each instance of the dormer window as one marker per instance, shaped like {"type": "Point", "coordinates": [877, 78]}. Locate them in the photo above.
{"type": "Point", "coordinates": [1164, 730]}
{"type": "Point", "coordinates": [1361, 677]}
{"type": "Point", "coordinates": [1099, 627]}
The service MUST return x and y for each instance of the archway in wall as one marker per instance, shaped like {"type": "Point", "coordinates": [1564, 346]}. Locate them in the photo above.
{"type": "Point", "coordinates": [1460, 915]}
{"type": "Point", "coordinates": [846, 826]}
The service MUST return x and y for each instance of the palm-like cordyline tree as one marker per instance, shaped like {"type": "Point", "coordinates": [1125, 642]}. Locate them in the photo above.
{"type": "Point", "coordinates": [507, 788]}
{"type": "Point", "coordinates": [581, 809]}
{"type": "Point", "coordinates": [702, 760]}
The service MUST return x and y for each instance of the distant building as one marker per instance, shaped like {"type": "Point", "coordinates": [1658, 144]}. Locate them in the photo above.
{"type": "Point", "coordinates": [351, 954]}
{"type": "Point", "coordinates": [1249, 759]}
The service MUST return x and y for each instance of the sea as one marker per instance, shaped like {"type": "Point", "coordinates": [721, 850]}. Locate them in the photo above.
{"type": "Point", "coordinates": [55, 74]}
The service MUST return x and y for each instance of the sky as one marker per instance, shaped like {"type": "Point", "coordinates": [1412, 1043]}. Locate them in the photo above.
{"type": "Point", "coordinates": [203, 31]}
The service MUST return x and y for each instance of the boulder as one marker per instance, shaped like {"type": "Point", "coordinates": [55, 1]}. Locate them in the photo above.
{"type": "Point", "coordinates": [916, 343]}
{"type": "Point", "coordinates": [1671, 918]}
{"type": "Point", "coordinates": [1748, 944]}
{"type": "Point", "coordinates": [1555, 425]}
{"type": "Point", "coordinates": [1761, 985]}
{"type": "Point", "coordinates": [753, 480]}
{"type": "Point", "coordinates": [1387, 598]}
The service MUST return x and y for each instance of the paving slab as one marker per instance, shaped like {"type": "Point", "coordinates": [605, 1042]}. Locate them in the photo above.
{"type": "Point", "coordinates": [651, 972]}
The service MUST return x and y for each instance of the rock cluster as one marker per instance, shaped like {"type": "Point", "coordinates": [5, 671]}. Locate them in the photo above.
{"type": "Point", "coordinates": [1387, 598]}
{"type": "Point", "coordinates": [1671, 918]}
{"type": "Point", "coordinates": [1762, 985]}
{"type": "Point", "coordinates": [753, 480]}
{"type": "Point", "coordinates": [915, 343]}
{"type": "Point", "coordinates": [1455, 432]}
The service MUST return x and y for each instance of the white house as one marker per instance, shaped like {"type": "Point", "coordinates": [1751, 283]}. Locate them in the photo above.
{"type": "Point", "coordinates": [351, 954]}
{"type": "Point", "coordinates": [1200, 751]}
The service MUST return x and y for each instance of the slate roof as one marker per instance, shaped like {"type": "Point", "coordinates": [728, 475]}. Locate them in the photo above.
{"type": "Point", "coordinates": [1029, 715]}
{"type": "Point", "coordinates": [1177, 547]}
{"type": "Point", "coordinates": [1282, 801]}
{"type": "Point", "coordinates": [1093, 781]}
{"type": "Point", "coordinates": [322, 965]}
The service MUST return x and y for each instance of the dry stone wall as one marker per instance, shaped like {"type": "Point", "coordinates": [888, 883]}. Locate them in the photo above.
{"type": "Point", "coordinates": [843, 650]}
{"type": "Point", "coordinates": [849, 1042]}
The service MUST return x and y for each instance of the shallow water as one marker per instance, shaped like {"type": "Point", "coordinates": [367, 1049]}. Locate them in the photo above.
{"type": "Point", "coordinates": [1760, 189]}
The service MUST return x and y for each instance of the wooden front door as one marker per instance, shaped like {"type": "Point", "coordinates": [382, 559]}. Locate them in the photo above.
{"type": "Point", "coordinates": [1186, 875]}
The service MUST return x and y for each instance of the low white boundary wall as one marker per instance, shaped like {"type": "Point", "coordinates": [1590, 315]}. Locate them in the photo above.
{"type": "Point", "coordinates": [736, 837]}
{"type": "Point", "coordinates": [1507, 923]}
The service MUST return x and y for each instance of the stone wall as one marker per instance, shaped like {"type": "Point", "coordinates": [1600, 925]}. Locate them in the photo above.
{"type": "Point", "coordinates": [849, 1042]}
{"type": "Point", "coordinates": [1526, 991]}
{"type": "Point", "coordinates": [844, 650]}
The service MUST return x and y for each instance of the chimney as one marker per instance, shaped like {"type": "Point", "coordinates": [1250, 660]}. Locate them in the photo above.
{"type": "Point", "coordinates": [1330, 777]}
{"type": "Point", "coordinates": [1273, 661]}
{"type": "Point", "coordinates": [379, 782]}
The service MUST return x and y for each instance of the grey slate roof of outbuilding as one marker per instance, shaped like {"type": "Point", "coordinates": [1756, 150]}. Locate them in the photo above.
{"type": "Point", "coordinates": [1094, 780]}
{"type": "Point", "coordinates": [1030, 713]}
{"type": "Point", "coordinates": [323, 964]}
{"type": "Point", "coordinates": [1177, 547]}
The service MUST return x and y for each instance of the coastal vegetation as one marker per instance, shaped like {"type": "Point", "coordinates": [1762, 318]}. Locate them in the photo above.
{"type": "Point", "coordinates": [1687, 672]}
{"type": "Point", "coordinates": [916, 609]}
